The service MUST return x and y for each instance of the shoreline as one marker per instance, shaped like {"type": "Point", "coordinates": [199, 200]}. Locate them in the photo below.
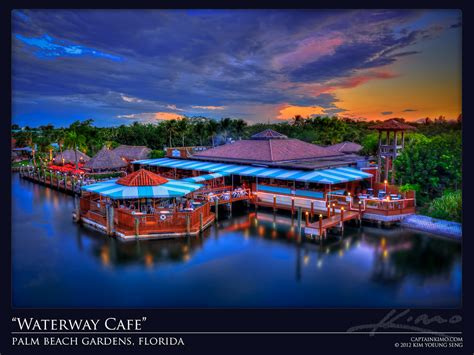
{"type": "Point", "coordinates": [449, 229]}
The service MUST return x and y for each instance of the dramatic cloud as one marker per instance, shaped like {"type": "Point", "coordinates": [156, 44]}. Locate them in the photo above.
{"type": "Point", "coordinates": [120, 65]}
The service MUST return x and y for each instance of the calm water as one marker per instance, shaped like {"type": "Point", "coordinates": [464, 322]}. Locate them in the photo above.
{"type": "Point", "coordinates": [244, 261]}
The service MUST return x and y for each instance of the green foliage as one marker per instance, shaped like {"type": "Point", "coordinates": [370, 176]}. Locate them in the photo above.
{"type": "Point", "coordinates": [432, 163]}
{"type": "Point", "coordinates": [448, 207]}
{"type": "Point", "coordinates": [156, 154]}
{"type": "Point", "coordinates": [370, 144]}
{"type": "Point", "coordinates": [409, 187]}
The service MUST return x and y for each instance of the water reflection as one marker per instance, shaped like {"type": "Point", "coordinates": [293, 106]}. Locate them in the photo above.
{"type": "Point", "coordinates": [248, 260]}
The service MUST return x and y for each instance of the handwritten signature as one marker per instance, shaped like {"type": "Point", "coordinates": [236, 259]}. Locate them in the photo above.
{"type": "Point", "coordinates": [406, 322]}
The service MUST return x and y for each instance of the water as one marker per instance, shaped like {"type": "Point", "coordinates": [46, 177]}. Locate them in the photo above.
{"type": "Point", "coordinates": [245, 261]}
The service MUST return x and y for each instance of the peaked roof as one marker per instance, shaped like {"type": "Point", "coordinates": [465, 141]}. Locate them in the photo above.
{"type": "Point", "coordinates": [105, 159]}
{"type": "Point", "coordinates": [269, 134]}
{"type": "Point", "coordinates": [266, 151]}
{"type": "Point", "coordinates": [70, 157]}
{"type": "Point", "coordinates": [132, 152]}
{"type": "Point", "coordinates": [346, 147]}
{"type": "Point", "coordinates": [392, 125]}
{"type": "Point", "coordinates": [142, 177]}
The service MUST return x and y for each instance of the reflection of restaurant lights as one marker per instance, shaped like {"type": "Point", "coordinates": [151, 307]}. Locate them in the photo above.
{"type": "Point", "coordinates": [385, 253]}
{"type": "Point", "coordinates": [186, 257]}
{"type": "Point", "coordinates": [306, 259]}
{"type": "Point", "coordinates": [148, 259]}
{"type": "Point", "coordinates": [319, 264]}
{"type": "Point", "coordinates": [341, 253]}
{"type": "Point", "coordinates": [185, 248]}
{"type": "Point", "coordinates": [383, 242]}
{"type": "Point", "coordinates": [261, 231]}
{"type": "Point", "coordinates": [347, 244]}
{"type": "Point", "coordinates": [274, 234]}
{"type": "Point", "coordinates": [104, 256]}
{"type": "Point", "coordinates": [327, 250]}
{"type": "Point", "coordinates": [246, 233]}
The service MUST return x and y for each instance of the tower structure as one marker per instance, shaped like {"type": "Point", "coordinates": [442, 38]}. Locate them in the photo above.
{"type": "Point", "coordinates": [390, 146]}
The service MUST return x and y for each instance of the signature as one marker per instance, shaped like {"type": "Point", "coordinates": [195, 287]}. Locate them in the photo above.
{"type": "Point", "coordinates": [401, 321]}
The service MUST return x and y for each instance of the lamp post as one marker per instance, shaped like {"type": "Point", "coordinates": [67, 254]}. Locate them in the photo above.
{"type": "Point", "coordinates": [385, 182]}
{"type": "Point", "coordinates": [307, 218]}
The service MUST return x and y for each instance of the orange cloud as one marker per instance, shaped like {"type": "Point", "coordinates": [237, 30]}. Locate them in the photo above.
{"type": "Point", "coordinates": [290, 111]}
{"type": "Point", "coordinates": [167, 116]}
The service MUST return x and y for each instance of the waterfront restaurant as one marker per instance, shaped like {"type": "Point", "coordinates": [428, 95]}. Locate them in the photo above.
{"type": "Point", "coordinates": [144, 205]}
{"type": "Point", "coordinates": [284, 173]}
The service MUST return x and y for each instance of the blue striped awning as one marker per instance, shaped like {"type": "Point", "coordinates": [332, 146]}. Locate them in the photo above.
{"type": "Point", "coordinates": [326, 176]}
{"type": "Point", "coordinates": [205, 177]}
{"type": "Point", "coordinates": [173, 188]}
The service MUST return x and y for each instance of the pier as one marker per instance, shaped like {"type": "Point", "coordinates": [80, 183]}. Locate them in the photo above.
{"type": "Point", "coordinates": [321, 227]}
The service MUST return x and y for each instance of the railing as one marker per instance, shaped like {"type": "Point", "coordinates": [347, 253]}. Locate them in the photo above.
{"type": "Point", "coordinates": [172, 222]}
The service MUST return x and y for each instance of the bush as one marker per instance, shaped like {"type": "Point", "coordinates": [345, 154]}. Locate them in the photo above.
{"type": "Point", "coordinates": [157, 154]}
{"type": "Point", "coordinates": [448, 207]}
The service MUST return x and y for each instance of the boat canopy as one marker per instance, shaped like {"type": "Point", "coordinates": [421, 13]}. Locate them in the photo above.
{"type": "Point", "coordinates": [326, 176]}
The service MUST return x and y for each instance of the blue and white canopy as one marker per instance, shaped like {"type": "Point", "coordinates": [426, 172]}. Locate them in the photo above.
{"type": "Point", "coordinates": [173, 188]}
{"type": "Point", "coordinates": [205, 177]}
{"type": "Point", "coordinates": [326, 176]}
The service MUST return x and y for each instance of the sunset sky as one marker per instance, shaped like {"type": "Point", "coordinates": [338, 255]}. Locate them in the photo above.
{"type": "Point", "coordinates": [120, 66]}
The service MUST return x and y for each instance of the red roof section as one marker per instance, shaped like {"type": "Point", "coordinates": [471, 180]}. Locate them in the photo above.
{"type": "Point", "coordinates": [394, 125]}
{"type": "Point", "coordinates": [142, 177]}
{"type": "Point", "coordinates": [270, 150]}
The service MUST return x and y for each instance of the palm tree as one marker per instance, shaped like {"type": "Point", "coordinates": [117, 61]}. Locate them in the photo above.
{"type": "Point", "coordinates": [170, 129]}
{"type": "Point", "coordinates": [75, 141]}
{"type": "Point", "coordinates": [298, 120]}
{"type": "Point", "coordinates": [200, 130]}
{"type": "Point", "coordinates": [239, 127]}
{"type": "Point", "coordinates": [182, 127]}
{"type": "Point", "coordinates": [225, 125]}
{"type": "Point", "coordinates": [212, 128]}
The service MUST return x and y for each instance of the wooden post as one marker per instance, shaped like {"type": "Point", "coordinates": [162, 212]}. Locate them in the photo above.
{"type": "Point", "coordinates": [342, 219]}
{"type": "Point", "coordinates": [201, 223]}
{"type": "Point", "coordinates": [300, 212]}
{"type": "Point", "coordinates": [312, 210]}
{"type": "Point", "coordinates": [360, 212]}
{"type": "Point", "coordinates": [292, 206]}
{"type": "Point", "coordinates": [137, 223]}
{"type": "Point", "coordinates": [188, 224]}
{"type": "Point", "coordinates": [333, 209]}
{"type": "Point", "coordinates": [307, 218]}
{"type": "Point", "coordinates": [329, 209]}
{"type": "Point", "coordinates": [274, 203]}
{"type": "Point", "coordinates": [379, 158]}
{"type": "Point", "coordinates": [320, 226]}
{"type": "Point", "coordinates": [216, 208]}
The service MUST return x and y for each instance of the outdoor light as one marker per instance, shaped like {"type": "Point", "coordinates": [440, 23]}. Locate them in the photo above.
{"type": "Point", "coordinates": [342, 208]}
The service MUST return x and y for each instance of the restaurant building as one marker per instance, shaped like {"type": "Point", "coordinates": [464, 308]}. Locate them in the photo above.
{"type": "Point", "coordinates": [284, 173]}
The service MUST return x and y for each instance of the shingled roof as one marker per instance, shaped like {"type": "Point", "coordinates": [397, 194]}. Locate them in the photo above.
{"type": "Point", "coordinates": [269, 134]}
{"type": "Point", "coordinates": [392, 125]}
{"type": "Point", "coordinates": [142, 177]}
{"type": "Point", "coordinates": [346, 147]}
{"type": "Point", "coordinates": [132, 152]}
{"type": "Point", "coordinates": [105, 159]}
{"type": "Point", "coordinates": [266, 151]}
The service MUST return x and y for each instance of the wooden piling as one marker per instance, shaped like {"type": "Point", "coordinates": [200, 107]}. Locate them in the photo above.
{"type": "Point", "coordinates": [188, 224]}
{"type": "Point", "coordinates": [200, 223]}
{"type": "Point", "coordinates": [274, 203]}
{"type": "Point", "coordinates": [292, 206]}
{"type": "Point", "coordinates": [312, 210]}
{"type": "Point", "coordinates": [307, 218]}
{"type": "Point", "coordinates": [320, 226]}
{"type": "Point", "coordinates": [216, 208]}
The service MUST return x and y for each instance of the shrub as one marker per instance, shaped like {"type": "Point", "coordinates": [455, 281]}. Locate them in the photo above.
{"type": "Point", "coordinates": [448, 207]}
{"type": "Point", "coordinates": [156, 154]}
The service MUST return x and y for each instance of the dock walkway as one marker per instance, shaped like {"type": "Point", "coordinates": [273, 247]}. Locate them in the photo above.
{"type": "Point", "coordinates": [330, 222]}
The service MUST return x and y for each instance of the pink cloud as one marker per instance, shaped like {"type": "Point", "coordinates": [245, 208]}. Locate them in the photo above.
{"type": "Point", "coordinates": [307, 51]}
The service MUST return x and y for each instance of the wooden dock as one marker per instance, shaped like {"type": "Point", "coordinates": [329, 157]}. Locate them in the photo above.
{"type": "Point", "coordinates": [336, 220]}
